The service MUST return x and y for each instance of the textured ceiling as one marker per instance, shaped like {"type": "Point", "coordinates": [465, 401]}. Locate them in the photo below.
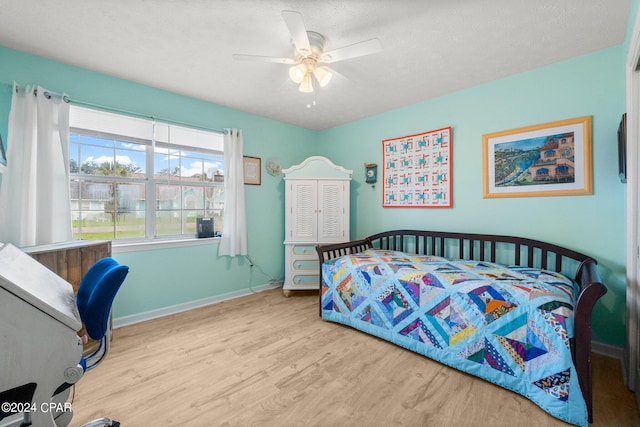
{"type": "Point", "coordinates": [430, 47]}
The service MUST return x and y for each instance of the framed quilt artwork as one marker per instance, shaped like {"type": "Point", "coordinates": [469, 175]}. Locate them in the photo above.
{"type": "Point", "coordinates": [417, 170]}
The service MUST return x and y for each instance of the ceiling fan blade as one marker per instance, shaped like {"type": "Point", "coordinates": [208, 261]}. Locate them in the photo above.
{"type": "Point", "coordinates": [339, 75]}
{"type": "Point", "coordinates": [298, 32]}
{"type": "Point", "coordinates": [355, 50]}
{"type": "Point", "coordinates": [240, 57]}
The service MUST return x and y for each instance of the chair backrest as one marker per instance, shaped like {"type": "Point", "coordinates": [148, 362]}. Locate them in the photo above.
{"type": "Point", "coordinates": [96, 292]}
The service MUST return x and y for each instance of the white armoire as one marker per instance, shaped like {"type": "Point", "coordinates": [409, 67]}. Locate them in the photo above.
{"type": "Point", "coordinates": [316, 212]}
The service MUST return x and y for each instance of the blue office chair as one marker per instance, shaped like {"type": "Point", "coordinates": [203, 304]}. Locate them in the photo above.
{"type": "Point", "coordinates": [95, 297]}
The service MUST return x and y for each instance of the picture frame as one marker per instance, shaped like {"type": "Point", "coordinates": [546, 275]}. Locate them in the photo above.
{"type": "Point", "coordinates": [371, 173]}
{"type": "Point", "coordinates": [251, 170]}
{"type": "Point", "coordinates": [417, 170]}
{"type": "Point", "coordinates": [548, 159]}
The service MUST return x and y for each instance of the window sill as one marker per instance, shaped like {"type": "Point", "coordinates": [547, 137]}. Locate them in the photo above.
{"type": "Point", "coordinates": [124, 247]}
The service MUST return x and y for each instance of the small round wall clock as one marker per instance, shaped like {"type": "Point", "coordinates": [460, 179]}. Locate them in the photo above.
{"type": "Point", "coordinates": [371, 173]}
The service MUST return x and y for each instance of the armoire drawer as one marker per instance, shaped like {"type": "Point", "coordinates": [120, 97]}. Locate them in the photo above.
{"type": "Point", "coordinates": [303, 250]}
{"type": "Point", "coordinates": [303, 264]}
{"type": "Point", "coordinates": [306, 279]}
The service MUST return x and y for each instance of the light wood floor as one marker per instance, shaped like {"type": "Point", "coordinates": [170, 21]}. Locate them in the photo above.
{"type": "Point", "coordinates": [266, 360]}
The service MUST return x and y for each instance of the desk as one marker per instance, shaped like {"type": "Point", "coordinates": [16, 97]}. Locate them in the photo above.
{"type": "Point", "coordinates": [38, 323]}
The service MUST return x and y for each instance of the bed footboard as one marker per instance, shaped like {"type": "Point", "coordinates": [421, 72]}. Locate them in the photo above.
{"type": "Point", "coordinates": [327, 252]}
{"type": "Point", "coordinates": [592, 289]}
{"type": "Point", "coordinates": [507, 250]}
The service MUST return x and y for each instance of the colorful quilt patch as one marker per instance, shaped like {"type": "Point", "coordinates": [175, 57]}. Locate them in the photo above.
{"type": "Point", "coordinates": [405, 267]}
{"type": "Point", "coordinates": [372, 276]}
{"type": "Point", "coordinates": [370, 316]}
{"type": "Point", "coordinates": [491, 301]}
{"type": "Point", "coordinates": [394, 305]}
{"type": "Point", "coordinates": [560, 282]}
{"type": "Point", "coordinates": [484, 353]}
{"type": "Point", "coordinates": [524, 342]}
{"type": "Point", "coordinates": [557, 314]}
{"type": "Point", "coordinates": [421, 286]}
{"type": "Point", "coordinates": [456, 277]}
{"type": "Point", "coordinates": [450, 321]}
{"type": "Point", "coordinates": [428, 259]}
{"type": "Point", "coordinates": [360, 258]}
{"type": "Point", "coordinates": [350, 293]}
{"type": "Point", "coordinates": [556, 385]}
{"type": "Point", "coordinates": [419, 331]}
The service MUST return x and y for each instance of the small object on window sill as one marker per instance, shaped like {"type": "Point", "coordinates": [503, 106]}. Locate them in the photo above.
{"type": "Point", "coordinates": [205, 227]}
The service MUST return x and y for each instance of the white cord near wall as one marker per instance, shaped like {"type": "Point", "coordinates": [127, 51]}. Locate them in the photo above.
{"type": "Point", "coordinates": [272, 280]}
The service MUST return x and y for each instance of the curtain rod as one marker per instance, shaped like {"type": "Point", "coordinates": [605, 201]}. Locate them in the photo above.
{"type": "Point", "coordinates": [49, 94]}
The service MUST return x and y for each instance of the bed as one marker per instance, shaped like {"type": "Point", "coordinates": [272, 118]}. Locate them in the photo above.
{"type": "Point", "coordinates": [511, 310]}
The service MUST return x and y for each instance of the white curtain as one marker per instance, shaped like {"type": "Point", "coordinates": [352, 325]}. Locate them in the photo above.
{"type": "Point", "coordinates": [34, 195]}
{"type": "Point", "coordinates": [234, 230]}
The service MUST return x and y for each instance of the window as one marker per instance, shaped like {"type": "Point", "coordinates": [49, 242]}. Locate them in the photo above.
{"type": "Point", "coordinates": [566, 152]}
{"type": "Point", "coordinates": [136, 178]}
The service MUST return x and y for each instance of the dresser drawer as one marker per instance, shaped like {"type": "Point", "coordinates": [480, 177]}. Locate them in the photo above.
{"type": "Point", "coordinates": [303, 250]}
{"type": "Point", "coordinates": [304, 264]}
{"type": "Point", "coordinates": [306, 280]}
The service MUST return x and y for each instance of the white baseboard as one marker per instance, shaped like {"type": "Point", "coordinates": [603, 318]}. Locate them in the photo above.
{"type": "Point", "coordinates": [612, 351]}
{"type": "Point", "coordinates": [178, 308]}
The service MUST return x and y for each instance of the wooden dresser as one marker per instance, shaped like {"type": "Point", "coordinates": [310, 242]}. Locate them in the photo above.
{"type": "Point", "coordinates": [71, 261]}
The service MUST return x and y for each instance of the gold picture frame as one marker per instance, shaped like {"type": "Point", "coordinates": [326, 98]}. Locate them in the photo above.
{"type": "Point", "coordinates": [548, 159]}
{"type": "Point", "coordinates": [251, 170]}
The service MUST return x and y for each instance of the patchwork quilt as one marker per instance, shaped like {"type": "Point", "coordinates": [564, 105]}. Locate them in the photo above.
{"type": "Point", "coordinates": [508, 325]}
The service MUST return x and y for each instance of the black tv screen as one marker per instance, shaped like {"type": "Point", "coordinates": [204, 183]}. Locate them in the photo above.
{"type": "Point", "coordinates": [622, 148]}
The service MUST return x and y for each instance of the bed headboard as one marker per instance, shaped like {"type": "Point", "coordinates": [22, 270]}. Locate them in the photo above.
{"type": "Point", "coordinates": [507, 250]}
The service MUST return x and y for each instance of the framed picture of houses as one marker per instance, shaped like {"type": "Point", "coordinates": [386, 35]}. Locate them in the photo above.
{"type": "Point", "coordinates": [417, 170]}
{"type": "Point", "coordinates": [549, 159]}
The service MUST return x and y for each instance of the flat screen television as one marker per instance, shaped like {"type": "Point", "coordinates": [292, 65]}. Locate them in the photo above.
{"type": "Point", "coordinates": [3, 155]}
{"type": "Point", "coordinates": [622, 148]}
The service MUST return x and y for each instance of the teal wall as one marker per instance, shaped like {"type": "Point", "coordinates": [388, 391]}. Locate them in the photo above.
{"type": "Point", "coordinates": [165, 277]}
{"type": "Point", "coordinates": [592, 84]}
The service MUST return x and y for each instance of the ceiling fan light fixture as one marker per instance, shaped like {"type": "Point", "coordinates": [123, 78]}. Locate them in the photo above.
{"type": "Point", "coordinates": [323, 75]}
{"type": "Point", "coordinates": [306, 66]}
{"type": "Point", "coordinates": [297, 73]}
{"type": "Point", "coordinates": [306, 85]}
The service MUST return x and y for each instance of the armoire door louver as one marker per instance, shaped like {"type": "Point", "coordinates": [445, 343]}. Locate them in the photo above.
{"type": "Point", "coordinates": [331, 221]}
{"type": "Point", "coordinates": [304, 210]}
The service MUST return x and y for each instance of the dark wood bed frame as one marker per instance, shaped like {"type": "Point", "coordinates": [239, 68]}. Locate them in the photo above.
{"type": "Point", "coordinates": [505, 250]}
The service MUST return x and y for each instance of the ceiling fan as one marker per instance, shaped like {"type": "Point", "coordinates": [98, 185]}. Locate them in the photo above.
{"type": "Point", "coordinates": [308, 67]}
